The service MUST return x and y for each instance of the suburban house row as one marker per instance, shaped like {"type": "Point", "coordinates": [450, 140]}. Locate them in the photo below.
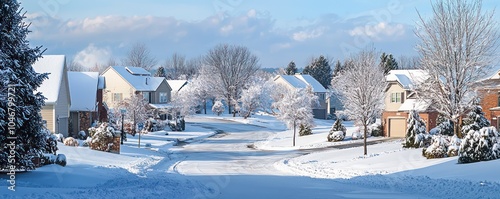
{"type": "Point", "coordinates": [75, 99]}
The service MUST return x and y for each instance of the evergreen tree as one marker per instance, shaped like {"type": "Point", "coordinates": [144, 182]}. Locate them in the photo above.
{"type": "Point", "coordinates": [291, 69]}
{"type": "Point", "coordinates": [160, 72]}
{"type": "Point", "coordinates": [20, 121]}
{"type": "Point", "coordinates": [388, 63]}
{"type": "Point", "coordinates": [304, 130]}
{"type": "Point", "coordinates": [320, 70]}
{"type": "Point", "coordinates": [475, 120]}
{"type": "Point", "coordinates": [479, 145]}
{"type": "Point", "coordinates": [337, 68]}
{"type": "Point", "coordinates": [336, 127]}
{"type": "Point", "coordinates": [446, 126]}
{"type": "Point", "coordinates": [415, 128]}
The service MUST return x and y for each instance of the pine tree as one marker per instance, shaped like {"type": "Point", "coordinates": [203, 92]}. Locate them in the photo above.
{"type": "Point", "coordinates": [160, 72]}
{"type": "Point", "coordinates": [291, 69]}
{"type": "Point", "coordinates": [475, 120]}
{"type": "Point", "coordinates": [320, 69]}
{"type": "Point", "coordinates": [388, 63]}
{"type": "Point", "coordinates": [20, 121]}
{"type": "Point", "coordinates": [304, 130]}
{"type": "Point", "coordinates": [337, 68]}
{"type": "Point", "coordinates": [336, 127]}
{"type": "Point", "coordinates": [415, 128]}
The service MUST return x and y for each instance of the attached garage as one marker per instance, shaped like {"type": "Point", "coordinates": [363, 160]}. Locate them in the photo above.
{"type": "Point", "coordinates": [397, 127]}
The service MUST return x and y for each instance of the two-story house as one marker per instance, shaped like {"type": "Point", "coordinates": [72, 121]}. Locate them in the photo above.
{"type": "Point", "coordinates": [400, 98]}
{"type": "Point", "coordinates": [122, 82]}
{"type": "Point", "coordinates": [488, 91]}
{"type": "Point", "coordinates": [298, 81]}
{"type": "Point", "coordinates": [55, 112]}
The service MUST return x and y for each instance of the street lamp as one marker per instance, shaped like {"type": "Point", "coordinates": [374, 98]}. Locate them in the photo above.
{"type": "Point", "coordinates": [123, 111]}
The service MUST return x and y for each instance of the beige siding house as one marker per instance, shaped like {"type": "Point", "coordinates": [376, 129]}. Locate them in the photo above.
{"type": "Point", "coordinates": [55, 113]}
{"type": "Point", "coordinates": [298, 81]}
{"type": "Point", "coordinates": [121, 82]}
{"type": "Point", "coordinates": [400, 98]}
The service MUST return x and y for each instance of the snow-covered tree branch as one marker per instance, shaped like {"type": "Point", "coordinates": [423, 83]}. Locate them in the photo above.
{"type": "Point", "coordinates": [360, 88]}
{"type": "Point", "coordinates": [457, 46]}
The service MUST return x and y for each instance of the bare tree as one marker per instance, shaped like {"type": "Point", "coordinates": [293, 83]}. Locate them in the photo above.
{"type": "Point", "coordinates": [361, 88]}
{"type": "Point", "coordinates": [408, 62]}
{"type": "Point", "coordinates": [74, 66]}
{"type": "Point", "coordinates": [457, 46]}
{"type": "Point", "coordinates": [178, 67]}
{"type": "Point", "coordinates": [233, 66]}
{"type": "Point", "coordinates": [140, 56]}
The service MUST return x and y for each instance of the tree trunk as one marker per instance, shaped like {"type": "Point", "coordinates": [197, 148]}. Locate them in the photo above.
{"type": "Point", "coordinates": [364, 140]}
{"type": "Point", "coordinates": [294, 132]}
{"type": "Point", "coordinates": [205, 106]}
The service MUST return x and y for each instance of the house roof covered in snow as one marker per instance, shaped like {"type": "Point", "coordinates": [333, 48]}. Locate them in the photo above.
{"type": "Point", "coordinates": [419, 105]}
{"type": "Point", "coordinates": [138, 78]}
{"type": "Point", "coordinates": [53, 64]}
{"type": "Point", "coordinates": [406, 78]}
{"type": "Point", "coordinates": [177, 85]}
{"type": "Point", "coordinates": [301, 81]}
{"type": "Point", "coordinates": [83, 90]}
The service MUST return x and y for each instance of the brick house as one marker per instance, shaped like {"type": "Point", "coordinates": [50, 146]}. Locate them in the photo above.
{"type": "Point", "coordinates": [489, 93]}
{"type": "Point", "coordinates": [400, 98]}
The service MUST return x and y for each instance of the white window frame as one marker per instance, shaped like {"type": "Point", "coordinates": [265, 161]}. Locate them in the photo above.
{"type": "Point", "coordinates": [396, 97]}
{"type": "Point", "coordinates": [163, 97]}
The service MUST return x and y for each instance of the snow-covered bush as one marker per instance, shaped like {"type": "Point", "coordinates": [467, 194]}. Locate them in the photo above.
{"type": "Point", "coordinates": [475, 120]}
{"type": "Point", "coordinates": [376, 130]}
{"type": "Point", "coordinates": [218, 107]}
{"type": "Point", "coordinates": [61, 160]}
{"type": "Point", "coordinates": [444, 127]}
{"type": "Point", "coordinates": [51, 142]}
{"type": "Point", "coordinates": [336, 127]}
{"type": "Point", "coordinates": [336, 136]}
{"type": "Point", "coordinates": [70, 141]}
{"type": "Point", "coordinates": [304, 130]}
{"type": "Point", "coordinates": [438, 148]}
{"type": "Point", "coordinates": [356, 135]}
{"type": "Point", "coordinates": [49, 159]}
{"type": "Point", "coordinates": [102, 137]}
{"type": "Point", "coordinates": [415, 127]}
{"type": "Point", "coordinates": [454, 146]}
{"type": "Point", "coordinates": [59, 137]}
{"type": "Point", "coordinates": [86, 142]}
{"type": "Point", "coordinates": [82, 135]}
{"type": "Point", "coordinates": [479, 145]}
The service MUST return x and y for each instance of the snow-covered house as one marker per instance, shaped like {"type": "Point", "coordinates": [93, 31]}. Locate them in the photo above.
{"type": "Point", "coordinates": [121, 82]}
{"type": "Point", "coordinates": [298, 81]}
{"type": "Point", "coordinates": [488, 91]}
{"type": "Point", "coordinates": [55, 113]}
{"type": "Point", "coordinates": [400, 98]}
{"type": "Point", "coordinates": [85, 101]}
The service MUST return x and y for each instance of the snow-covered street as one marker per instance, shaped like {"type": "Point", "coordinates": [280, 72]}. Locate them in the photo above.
{"type": "Point", "coordinates": [226, 166]}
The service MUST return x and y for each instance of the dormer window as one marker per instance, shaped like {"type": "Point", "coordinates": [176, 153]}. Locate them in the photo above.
{"type": "Point", "coordinates": [396, 98]}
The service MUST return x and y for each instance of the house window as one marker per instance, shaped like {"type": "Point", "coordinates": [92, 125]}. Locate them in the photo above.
{"type": "Point", "coordinates": [498, 103]}
{"type": "Point", "coordinates": [163, 97]}
{"type": "Point", "coordinates": [396, 97]}
{"type": "Point", "coordinates": [321, 96]}
{"type": "Point", "coordinates": [146, 96]}
{"type": "Point", "coordinates": [117, 97]}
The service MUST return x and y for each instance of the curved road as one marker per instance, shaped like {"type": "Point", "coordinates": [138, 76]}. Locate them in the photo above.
{"type": "Point", "coordinates": [228, 168]}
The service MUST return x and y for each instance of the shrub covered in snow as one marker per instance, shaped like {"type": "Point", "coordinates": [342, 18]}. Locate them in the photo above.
{"type": "Point", "coordinates": [218, 108]}
{"type": "Point", "coordinates": [376, 130]}
{"type": "Point", "coordinates": [356, 135]}
{"type": "Point", "coordinates": [59, 137]}
{"type": "Point", "coordinates": [336, 127]}
{"type": "Point", "coordinates": [444, 127]}
{"type": "Point", "coordinates": [479, 145]}
{"type": "Point", "coordinates": [454, 146]}
{"type": "Point", "coordinates": [304, 130]}
{"type": "Point", "coordinates": [475, 121]}
{"type": "Point", "coordinates": [441, 146]}
{"type": "Point", "coordinates": [82, 135]}
{"type": "Point", "coordinates": [70, 141]}
{"type": "Point", "coordinates": [86, 142]}
{"type": "Point", "coordinates": [50, 142]}
{"type": "Point", "coordinates": [61, 160]}
{"type": "Point", "coordinates": [415, 131]}
{"type": "Point", "coordinates": [102, 137]}
{"type": "Point", "coordinates": [336, 136]}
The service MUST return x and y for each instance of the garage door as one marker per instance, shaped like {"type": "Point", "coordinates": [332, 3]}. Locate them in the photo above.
{"type": "Point", "coordinates": [397, 127]}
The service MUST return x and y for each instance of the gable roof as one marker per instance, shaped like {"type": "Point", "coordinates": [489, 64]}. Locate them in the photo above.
{"type": "Point", "coordinates": [53, 64]}
{"type": "Point", "coordinates": [419, 105]}
{"type": "Point", "coordinates": [177, 85]}
{"type": "Point", "coordinates": [301, 81]}
{"type": "Point", "coordinates": [83, 90]}
{"type": "Point", "coordinates": [406, 78]}
{"type": "Point", "coordinates": [138, 78]}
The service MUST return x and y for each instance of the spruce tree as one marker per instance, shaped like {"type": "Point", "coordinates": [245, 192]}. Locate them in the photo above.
{"type": "Point", "coordinates": [320, 69]}
{"type": "Point", "coordinates": [291, 69]}
{"type": "Point", "coordinates": [475, 120]}
{"type": "Point", "coordinates": [415, 127]}
{"type": "Point", "coordinates": [21, 136]}
{"type": "Point", "coordinates": [337, 68]}
{"type": "Point", "coordinates": [388, 63]}
{"type": "Point", "coordinates": [160, 72]}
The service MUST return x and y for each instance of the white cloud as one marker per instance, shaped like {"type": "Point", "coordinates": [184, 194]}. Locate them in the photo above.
{"type": "Point", "coordinates": [92, 55]}
{"type": "Point", "coordinates": [379, 31]}
{"type": "Point", "coordinates": [308, 34]}
{"type": "Point", "coordinates": [252, 13]}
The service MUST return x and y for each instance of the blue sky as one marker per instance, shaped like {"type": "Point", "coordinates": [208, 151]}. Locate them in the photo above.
{"type": "Point", "coordinates": [278, 32]}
